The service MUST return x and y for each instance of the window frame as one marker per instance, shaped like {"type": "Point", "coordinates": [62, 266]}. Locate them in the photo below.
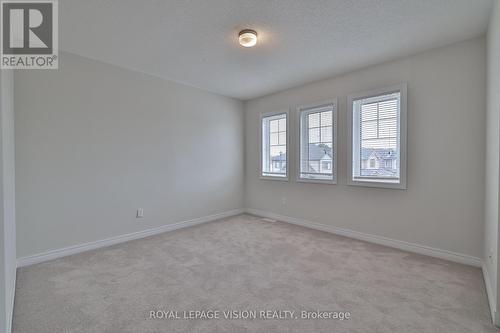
{"type": "Point", "coordinates": [379, 182]}
{"type": "Point", "coordinates": [311, 107]}
{"type": "Point", "coordinates": [261, 129]}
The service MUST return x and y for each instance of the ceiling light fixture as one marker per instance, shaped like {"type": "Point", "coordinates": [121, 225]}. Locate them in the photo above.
{"type": "Point", "coordinates": [247, 38]}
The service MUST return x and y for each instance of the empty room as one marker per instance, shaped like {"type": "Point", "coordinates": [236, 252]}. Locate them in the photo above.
{"type": "Point", "coordinates": [249, 166]}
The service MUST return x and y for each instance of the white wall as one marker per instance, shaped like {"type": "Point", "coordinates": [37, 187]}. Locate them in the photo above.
{"type": "Point", "coordinates": [7, 201]}
{"type": "Point", "coordinates": [443, 206]}
{"type": "Point", "coordinates": [94, 142]}
{"type": "Point", "coordinates": [492, 154]}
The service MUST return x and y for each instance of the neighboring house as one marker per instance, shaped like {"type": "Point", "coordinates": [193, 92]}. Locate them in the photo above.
{"type": "Point", "coordinates": [320, 159]}
{"type": "Point", "coordinates": [378, 162]}
{"type": "Point", "coordinates": [374, 161]}
{"type": "Point", "coordinates": [278, 163]}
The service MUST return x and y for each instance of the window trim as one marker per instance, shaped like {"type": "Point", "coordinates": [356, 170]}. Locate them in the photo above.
{"type": "Point", "coordinates": [379, 182]}
{"type": "Point", "coordinates": [261, 171]}
{"type": "Point", "coordinates": [298, 111]}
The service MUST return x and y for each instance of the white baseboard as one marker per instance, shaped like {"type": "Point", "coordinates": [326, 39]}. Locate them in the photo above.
{"type": "Point", "coordinates": [67, 251]}
{"type": "Point", "coordinates": [406, 246]}
{"type": "Point", "coordinates": [11, 298]}
{"type": "Point", "coordinates": [489, 292]}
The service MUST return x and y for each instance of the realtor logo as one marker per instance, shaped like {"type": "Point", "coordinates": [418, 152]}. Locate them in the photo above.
{"type": "Point", "coordinates": [29, 34]}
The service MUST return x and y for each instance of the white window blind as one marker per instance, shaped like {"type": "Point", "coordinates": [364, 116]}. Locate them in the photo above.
{"type": "Point", "coordinates": [317, 142]}
{"type": "Point", "coordinates": [274, 145]}
{"type": "Point", "coordinates": [377, 132]}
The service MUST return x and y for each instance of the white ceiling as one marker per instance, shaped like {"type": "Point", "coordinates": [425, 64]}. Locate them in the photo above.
{"type": "Point", "coordinates": [195, 41]}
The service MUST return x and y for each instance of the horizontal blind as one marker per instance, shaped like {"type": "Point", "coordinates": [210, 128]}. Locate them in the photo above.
{"type": "Point", "coordinates": [379, 133]}
{"type": "Point", "coordinates": [316, 143]}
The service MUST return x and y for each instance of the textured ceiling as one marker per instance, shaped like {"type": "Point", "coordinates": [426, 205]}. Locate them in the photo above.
{"type": "Point", "coordinates": [195, 41]}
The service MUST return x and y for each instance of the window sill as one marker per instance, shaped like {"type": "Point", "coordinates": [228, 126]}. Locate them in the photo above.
{"type": "Point", "coordinates": [283, 179]}
{"type": "Point", "coordinates": [317, 181]}
{"type": "Point", "coordinates": [378, 183]}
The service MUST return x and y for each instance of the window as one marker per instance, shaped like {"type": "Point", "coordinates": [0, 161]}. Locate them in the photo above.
{"type": "Point", "coordinates": [378, 138]}
{"type": "Point", "coordinates": [317, 147]}
{"type": "Point", "coordinates": [274, 146]}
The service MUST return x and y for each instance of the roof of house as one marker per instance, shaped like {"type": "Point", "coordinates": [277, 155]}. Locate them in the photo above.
{"type": "Point", "coordinates": [381, 153]}
{"type": "Point", "coordinates": [276, 158]}
{"type": "Point", "coordinates": [317, 152]}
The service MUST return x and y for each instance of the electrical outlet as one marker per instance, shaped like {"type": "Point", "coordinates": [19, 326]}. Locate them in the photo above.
{"type": "Point", "coordinates": [140, 213]}
{"type": "Point", "coordinates": [283, 201]}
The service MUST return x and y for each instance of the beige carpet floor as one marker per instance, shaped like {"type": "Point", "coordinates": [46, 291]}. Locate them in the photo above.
{"type": "Point", "coordinates": [244, 263]}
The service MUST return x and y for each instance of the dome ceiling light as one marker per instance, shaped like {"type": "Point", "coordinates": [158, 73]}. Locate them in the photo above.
{"type": "Point", "coordinates": [247, 38]}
